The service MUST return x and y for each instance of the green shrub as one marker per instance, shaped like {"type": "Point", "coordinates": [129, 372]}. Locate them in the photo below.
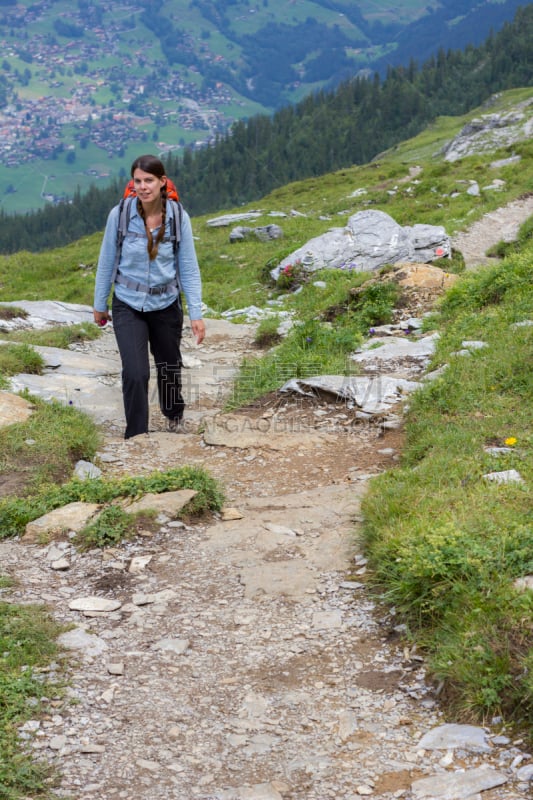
{"type": "Point", "coordinates": [374, 304]}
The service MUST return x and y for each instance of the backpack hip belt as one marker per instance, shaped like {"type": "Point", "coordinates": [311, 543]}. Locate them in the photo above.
{"type": "Point", "coordinates": [142, 287]}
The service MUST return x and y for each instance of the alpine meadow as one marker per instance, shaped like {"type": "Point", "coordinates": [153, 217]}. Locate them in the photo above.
{"type": "Point", "coordinates": [448, 553]}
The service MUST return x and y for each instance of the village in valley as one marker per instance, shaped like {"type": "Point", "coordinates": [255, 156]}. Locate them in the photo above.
{"type": "Point", "coordinates": [59, 95]}
{"type": "Point", "coordinates": [85, 84]}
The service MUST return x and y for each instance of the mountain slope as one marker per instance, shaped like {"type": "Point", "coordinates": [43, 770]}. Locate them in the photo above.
{"type": "Point", "coordinates": [323, 133]}
{"type": "Point", "coordinates": [83, 87]}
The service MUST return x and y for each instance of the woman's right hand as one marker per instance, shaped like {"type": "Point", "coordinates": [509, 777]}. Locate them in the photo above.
{"type": "Point", "coordinates": [101, 318]}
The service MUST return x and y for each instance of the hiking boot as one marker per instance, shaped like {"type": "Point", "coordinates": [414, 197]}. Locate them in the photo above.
{"type": "Point", "coordinates": [175, 426]}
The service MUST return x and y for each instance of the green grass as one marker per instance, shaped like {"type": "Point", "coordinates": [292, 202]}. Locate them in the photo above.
{"type": "Point", "coordinates": [45, 447]}
{"type": "Point", "coordinates": [331, 322]}
{"type": "Point", "coordinates": [27, 648]}
{"type": "Point", "coordinates": [61, 336]}
{"type": "Point", "coordinates": [16, 358]}
{"type": "Point", "coordinates": [52, 275]}
{"type": "Point", "coordinates": [445, 544]}
{"type": "Point", "coordinates": [17, 511]}
{"type": "Point", "coordinates": [113, 526]}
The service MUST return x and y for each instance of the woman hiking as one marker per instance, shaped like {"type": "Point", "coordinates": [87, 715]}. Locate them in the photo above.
{"type": "Point", "coordinates": [147, 267]}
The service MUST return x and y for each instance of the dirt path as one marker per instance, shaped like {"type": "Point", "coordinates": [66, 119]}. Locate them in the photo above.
{"type": "Point", "coordinates": [494, 227]}
{"type": "Point", "coordinates": [245, 659]}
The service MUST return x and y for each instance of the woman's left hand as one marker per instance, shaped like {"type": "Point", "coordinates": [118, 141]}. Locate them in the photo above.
{"type": "Point", "coordinates": [198, 330]}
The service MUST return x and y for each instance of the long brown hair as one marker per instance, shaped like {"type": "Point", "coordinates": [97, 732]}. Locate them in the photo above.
{"type": "Point", "coordinates": [154, 166]}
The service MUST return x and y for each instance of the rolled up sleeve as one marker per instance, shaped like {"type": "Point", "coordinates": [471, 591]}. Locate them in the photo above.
{"type": "Point", "coordinates": [106, 262]}
{"type": "Point", "coordinates": [189, 270]}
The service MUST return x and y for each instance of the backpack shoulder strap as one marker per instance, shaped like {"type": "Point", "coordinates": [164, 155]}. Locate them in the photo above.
{"type": "Point", "coordinates": [175, 223]}
{"type": "Point", "coordinates": [124, 214]}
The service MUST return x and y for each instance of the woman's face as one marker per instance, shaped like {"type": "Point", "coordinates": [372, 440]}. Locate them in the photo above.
{"type": "Point", "coordinates": [147, 186]}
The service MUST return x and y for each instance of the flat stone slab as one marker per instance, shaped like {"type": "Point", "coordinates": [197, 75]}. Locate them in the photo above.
{"type": "Point", "coordinates": [85, 392]}
{"type": "Point", "coordinates": [172, 645]}
{"type": "Point", "coordinates": [228, 219]}
{"type": "Point", "coordinates": [272, 563]}
{"type": "Point", "coordinates": [80, 639]}
{"type": "Point", "coordinates": [457, 785]}
{"type": "Point", "coordinates": [291, 579]}
{"type": "Point", "coordinates": [524, 584]}
{"type": "Point", "coordinates": [450, 735]}
{"type": "Point", "coordinates": [506, 476]}
{"type": "Point", "coordinates": [327, 620]}
{"type": "Point", "coordinates": [72, 517]}
{"type": "Point", "coordinates": [162, 597]}
{"type": "Point", "coordinates": [169, 503]}
{"type": "Point", "coordinates": [93, 603]}
{"type": "Point", "coordinates": [260, 791]}
{"type": "Point", "coordinates": [232, 430]}
{"type": "Point", "coordinates": [73, 362]}
{"type": "Point", "coordinates": [13, 408]}
{"type": "Point", "coordinates": [384, 349]}
{"type": "Point", "coordinates": [44, 313]}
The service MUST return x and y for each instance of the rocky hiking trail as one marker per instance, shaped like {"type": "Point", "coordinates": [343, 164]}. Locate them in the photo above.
{"type": "Point", "coordinates": [242, 657]}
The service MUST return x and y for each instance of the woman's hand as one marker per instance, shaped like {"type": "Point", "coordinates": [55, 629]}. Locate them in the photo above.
{"type": "Point", "coordinates": [101, 318]}
{"type": "Point", "coordinates": [198, 330]}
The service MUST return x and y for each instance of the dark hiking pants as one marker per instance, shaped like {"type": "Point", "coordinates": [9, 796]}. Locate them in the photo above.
{"type": "Point", "coordinates": [135, 331]}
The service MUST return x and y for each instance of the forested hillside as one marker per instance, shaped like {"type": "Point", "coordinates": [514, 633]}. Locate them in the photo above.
{"type": "Point", "coordinates": [85, 84]}
{"type": "Point", "coordinates": [324, 132]}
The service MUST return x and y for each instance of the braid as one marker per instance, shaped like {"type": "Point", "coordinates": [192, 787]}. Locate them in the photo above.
{"type": "Point", "coordinates": [152, 247]}
{"type": "Point", "coordinates": [150, 238]}
{"type": "Point", "coordinates": [161, 231]}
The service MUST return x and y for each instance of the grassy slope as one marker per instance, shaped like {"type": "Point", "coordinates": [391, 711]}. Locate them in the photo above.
{"type": "Point", "coordinates": [445, 545]}
{"type": "Point", "coordinates": [233, 275]}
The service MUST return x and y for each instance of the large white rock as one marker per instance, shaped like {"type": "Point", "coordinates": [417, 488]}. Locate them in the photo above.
{"type": "Point", "coordinates": [369, 240]}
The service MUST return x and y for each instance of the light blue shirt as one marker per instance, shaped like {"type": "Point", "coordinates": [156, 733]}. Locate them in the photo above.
{"type": "Point", "coordinates": [135, 264]}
